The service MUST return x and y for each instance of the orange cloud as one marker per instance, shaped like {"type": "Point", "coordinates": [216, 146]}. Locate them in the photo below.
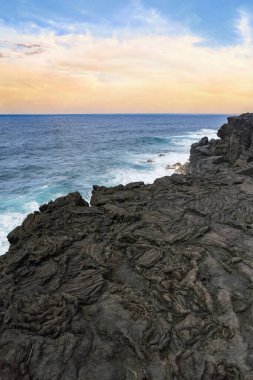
{"type": "Point", "coordinates": [143, 73]}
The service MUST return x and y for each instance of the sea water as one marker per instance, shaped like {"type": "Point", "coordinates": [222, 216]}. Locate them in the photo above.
{"type": "Point", "coordinates": [43, 157]}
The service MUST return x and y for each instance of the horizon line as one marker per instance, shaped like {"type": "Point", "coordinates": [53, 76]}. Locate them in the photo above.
{"type": "Point", "coordinates": [117, 113]}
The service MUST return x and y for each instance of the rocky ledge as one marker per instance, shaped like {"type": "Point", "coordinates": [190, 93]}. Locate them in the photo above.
{"type": "Point", "coordinates": [149, 282]}
{"type": "Point", "coordinates": [234, 149]}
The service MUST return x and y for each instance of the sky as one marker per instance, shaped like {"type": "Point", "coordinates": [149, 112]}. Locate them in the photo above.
{"type": "Point", "coordinates": [132, 56]}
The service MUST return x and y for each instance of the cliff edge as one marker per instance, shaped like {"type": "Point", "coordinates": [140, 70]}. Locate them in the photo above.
{"type": "Point", "coordinates": [233, 149]}
{"type": "Point", "coordinates": [150, 282]}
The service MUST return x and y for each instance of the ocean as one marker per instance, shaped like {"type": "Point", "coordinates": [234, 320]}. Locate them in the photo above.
{"type": "Point", "coordinates": [43, 157]}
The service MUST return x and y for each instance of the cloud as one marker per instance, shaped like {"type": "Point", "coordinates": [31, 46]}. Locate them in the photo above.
{"type": "Point", "coordinates": [128, 70]}
{"type": "Point", "coordinates": [30, 49]}
{"type": "Point", "coordinates": [29, 46]}
{"type": "Point", "coordinates": [138, 19]}
{"type": "Point", "coordinates": [1, 55]}
{"type": "Point", "coordinates": [244, 27]}
{"type": "Point", "coordinates": [133, 18]}
{"type": "Point", "coordinates": [148, 18]}
{"type": "Point", "coordinates": [34, 52]}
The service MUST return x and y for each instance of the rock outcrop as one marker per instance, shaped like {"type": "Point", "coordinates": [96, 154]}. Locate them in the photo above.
{"type": "Point", "coordinates": [150, 282]}
{"type": "Point", "coordinates": [233, 149]}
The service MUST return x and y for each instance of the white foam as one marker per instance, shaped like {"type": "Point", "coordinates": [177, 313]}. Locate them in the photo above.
{"type": "Point", "coordinates": [185, 142]}
{"type": "Point", "coordinates": [31, 207]}
{"type": "Point", "coordinates": [10, 220]}
{"type": "Point", "coordinates": [197, 135]}
{"type": "Point", "coordinates": [149, 171]}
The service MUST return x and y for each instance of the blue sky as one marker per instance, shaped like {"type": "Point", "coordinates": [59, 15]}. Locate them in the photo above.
{"type": "Point", "coordinates": [213, 20]}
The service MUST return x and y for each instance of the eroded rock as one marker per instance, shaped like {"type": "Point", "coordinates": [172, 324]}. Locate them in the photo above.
{"type": "Point", "coordinates": [150, 282]}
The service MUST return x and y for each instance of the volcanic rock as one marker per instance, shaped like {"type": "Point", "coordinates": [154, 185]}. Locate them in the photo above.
{"type": "Point", "coordinates": [235, 146]}
{"type": "Point", "coordinates": [150, 282]}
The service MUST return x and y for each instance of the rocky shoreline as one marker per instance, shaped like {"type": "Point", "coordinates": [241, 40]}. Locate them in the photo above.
{"type": "Point", "coordinates": [150, 282]}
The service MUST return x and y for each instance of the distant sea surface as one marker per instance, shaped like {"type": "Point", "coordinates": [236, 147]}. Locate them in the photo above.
{"type": "Point", "coordinates": [45, 156]}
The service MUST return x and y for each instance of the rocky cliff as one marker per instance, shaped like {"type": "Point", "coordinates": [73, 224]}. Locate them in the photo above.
{"type": "Point", "coordinates": [150, 282]}
{"type": "Point", "coordinates": [234, 149]}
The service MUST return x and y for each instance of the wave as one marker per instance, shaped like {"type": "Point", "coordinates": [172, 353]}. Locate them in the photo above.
{"type": "Point", "coordinates": [197, 135]}
{"type": "Point", "coordinates": [151, 140]}
{"type": "Point", "coordinates": [135, 167]}
{"type": "Point", "coordinates": [139, 169]}
{"type": "Point", "coordinates": [10, 220]}
{"type": "Point", "coordinates": [146, 168]}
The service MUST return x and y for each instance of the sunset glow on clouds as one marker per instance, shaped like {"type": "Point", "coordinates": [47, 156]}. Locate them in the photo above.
{"type": "Point", "coordinates": [151, 64]}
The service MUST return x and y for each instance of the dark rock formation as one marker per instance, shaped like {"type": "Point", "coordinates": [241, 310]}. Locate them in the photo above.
{"type": "Point", "coordinates": [234, 148]}
{"type": "Point", "coordinates": [150, 282]}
